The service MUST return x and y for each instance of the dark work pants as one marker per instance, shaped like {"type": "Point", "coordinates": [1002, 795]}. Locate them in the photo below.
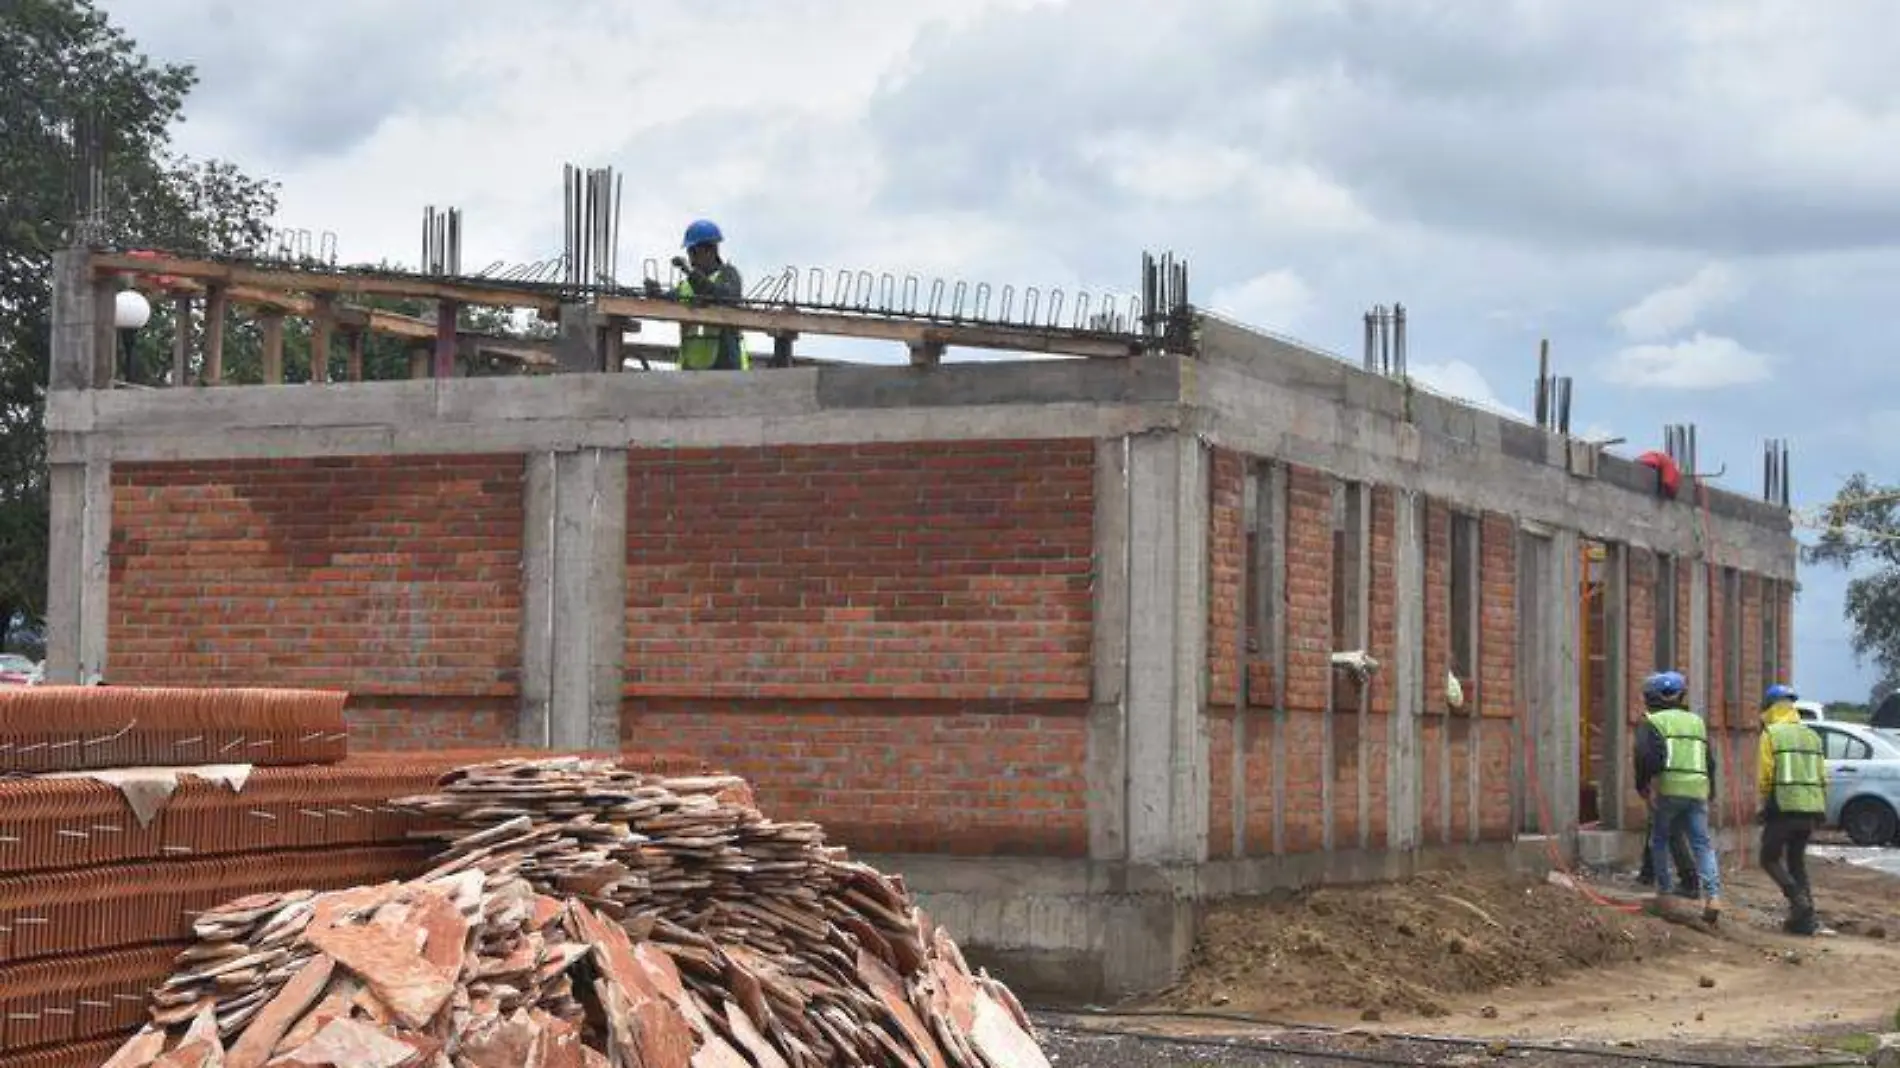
{"type": "Point", "coordinates": [1784, 856]}
{"type": "Point", "coordinates": [1687, 882]}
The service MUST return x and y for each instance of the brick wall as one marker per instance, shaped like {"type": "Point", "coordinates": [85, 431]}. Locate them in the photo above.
{"type": "Point", "coordinates": [1753, 684]}
{"type": "Point", "coordinates": [1227, 561]}
{"type": "Point", "coordinates": [1309, 565]}
{"type": "Point", "coordinates": [1721, 711]}
{"type": "Point", "coordinates": [1305, 766]}
{"type": "Point", "coordinates": [894, 639]}
{"type": "Point", "coordinates": [1220, 782]}
{"type": "Point", "coordinates": [1384, 614]}
{"type": "Point", "coordinates": [1497, 625]}
{"type": "Point", "coordinates": [947, 571]}
{"type": "Point", "coordinates": [395, 578]}
{"type": "Point", "coordinates": [953, 777]}
{"type": "Point", "coordinates": [1257, 815]}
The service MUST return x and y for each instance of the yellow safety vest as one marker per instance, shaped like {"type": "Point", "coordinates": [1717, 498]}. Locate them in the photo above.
{"type": "Point", "coordinates": [699, 345]}
{"type": "Point", "coordinates": [1800, 769]}
{"type": "Point", "coordinates": [1686, 754]}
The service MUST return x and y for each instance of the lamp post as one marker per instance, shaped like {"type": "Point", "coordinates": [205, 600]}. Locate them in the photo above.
{"type": "Point", "coordinates": [130, 312]}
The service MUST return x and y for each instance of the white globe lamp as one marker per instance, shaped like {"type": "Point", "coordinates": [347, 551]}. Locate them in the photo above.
{"type": "Point", "coordinates": [130, 310]}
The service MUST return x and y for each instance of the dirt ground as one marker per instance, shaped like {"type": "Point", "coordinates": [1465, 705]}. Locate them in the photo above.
{"type": "Point", "coordinates": [1495, 955]}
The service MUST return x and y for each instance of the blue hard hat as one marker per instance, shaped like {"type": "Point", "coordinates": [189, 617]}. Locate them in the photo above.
{"type": "Point", "coordinates": [1664, 685]}
{"type": "Point", "coordinates": [703, 232]}
{"type": "Point", "coordinates": [1780, 692]}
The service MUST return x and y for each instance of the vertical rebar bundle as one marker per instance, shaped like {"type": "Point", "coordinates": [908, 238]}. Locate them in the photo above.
{"type": "Point", "coordinates": [441, 241]}
{"type": "Point", "coordinates": [1552, 394]}
{"type": "Point", "coordinates": [1385, 340]}
{"type": "Point", "coordinates": [592, 226]}
{"type": "Point", "coordinates": [1774, 472]}
{"type": "Point", "coordinates": [90, 201]}
{"type": "Point", "coordinates": [1679, 442]}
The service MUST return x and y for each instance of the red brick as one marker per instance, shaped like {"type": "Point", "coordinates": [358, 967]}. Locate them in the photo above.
{"type": "Point", "coordinates": [1497, 628]}
{"type": "Point", "coordinates": [1460, 730]}
{"type": "Point", "coordinates": [1384, 613]}
{"type": "Point", "coordinates": [1258, 769]}
{"type": "Point", "coordinates": [1494, 785]}
{"type": "Point", "coordinates": [1437, 605]}
{"type": "Point", "coordinates": [947, 571]}
{"type": "Point", "coordinates": [964, 778]}
{"type": "Point", "coordinates": [1305, 763]}
{"type": "Point", "coordinates": [1309, 565]}
{"type": "Point", "coordinates": [387, 577]}
{"type": "Point", "coordinates": [1220, 783]}
{"type": "Point", "coordinates": [1227, 559]}
{"type": "Point", "coordinates": [389, 723]}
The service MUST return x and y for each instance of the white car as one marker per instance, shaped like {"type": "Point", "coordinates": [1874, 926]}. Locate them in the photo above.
{"type": "Point", "coordinates": [1863, 781]}
{"type": "Point", "coordinates": [17, 670]}
{"type": "Point", "coordinates": [1811, 711]}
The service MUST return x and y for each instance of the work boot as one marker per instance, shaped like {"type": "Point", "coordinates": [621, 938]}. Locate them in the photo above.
{"type": "Point", "coordinates": [1712, 910]}
{"type": "Point", "coordinates": [1801, 920]}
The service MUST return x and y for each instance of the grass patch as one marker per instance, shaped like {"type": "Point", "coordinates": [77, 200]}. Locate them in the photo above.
{"type": "Point", "coordinates": [1860, 1044]}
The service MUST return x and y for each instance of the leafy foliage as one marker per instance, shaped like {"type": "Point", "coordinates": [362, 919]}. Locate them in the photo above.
{"type": "Point", "coordinates": [68, 69]}
{"type": "Point", "coordinates": [1863, 531]}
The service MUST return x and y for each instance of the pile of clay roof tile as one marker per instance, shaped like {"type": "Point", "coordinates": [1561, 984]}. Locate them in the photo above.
{"type": "Point", "coordinates": [71, 728]}
{"type": "Point", "coordinates": [126, 812]}
{"type": "Point", "coordinates": [592, 916]}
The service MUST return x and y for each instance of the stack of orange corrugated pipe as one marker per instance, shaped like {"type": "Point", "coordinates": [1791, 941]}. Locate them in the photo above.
{"type": "Point", "coordinates": [96, 904]}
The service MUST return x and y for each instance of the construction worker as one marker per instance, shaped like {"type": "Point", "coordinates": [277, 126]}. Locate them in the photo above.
{"type": "Point", "coordinates": [1688, 883]}
{"type": "Point", "coordinates": [1675, 775]}
{"type": "Point", "coordinates": [1793, 787]}
{"type": "Point", "coordinates": [710, 279]}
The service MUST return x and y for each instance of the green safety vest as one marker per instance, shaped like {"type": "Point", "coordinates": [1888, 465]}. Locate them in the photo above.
{"type": "Point", "coordinates": [1686, 754]}
{"type": "Point", "coordinates": [699, 345]}
{"type": "Point", "coordinates": [1800, 769]}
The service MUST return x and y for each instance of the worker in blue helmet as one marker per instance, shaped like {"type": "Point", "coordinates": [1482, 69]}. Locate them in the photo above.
{"type": "Point", "coordinates": [1675, 775]}
{"type": "Point", "coordinates": [1792, 784]}
{"type": "Point", "coordinates": [709, 279]}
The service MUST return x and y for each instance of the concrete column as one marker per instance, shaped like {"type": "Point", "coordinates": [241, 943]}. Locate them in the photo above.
{"type": "Point", "coordinates": [1564, 677]}
{"type": "Point", "coordinates": [1405, 764]}
{"type": "Point", "coordinates": [80, 511]}
{"type": "Point", "coordinates": [78, 571]}
{"type": "Point", "coordinates": [1108, 703]}
{"type": "Point", "coordinates": [1698, 673]}
{"type": "Point", "coordinates": [1167, 753]}
{"type": "Point", "coordinates": [574, 582]}
{"type": "Point", "coordinates": [1616, 735]}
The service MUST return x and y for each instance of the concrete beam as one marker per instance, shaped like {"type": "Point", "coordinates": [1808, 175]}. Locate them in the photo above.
{"type": "Point", "coordinates": [822, 405]}
{"type": "Point", "coordinates": [574, 572]}
{"type": "Point", "coordinates": [1267, 398]}
{"type": "Point", "coordinates": [1167, 751]}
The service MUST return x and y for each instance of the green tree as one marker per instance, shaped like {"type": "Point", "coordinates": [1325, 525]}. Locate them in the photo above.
{"type": "Point", "coordinates": [1861, 531]}
{"type": "Point", "coordinates": [74, 80]}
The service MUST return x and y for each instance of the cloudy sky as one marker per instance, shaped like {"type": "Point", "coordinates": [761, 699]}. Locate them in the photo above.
{"type": "Point", "coordinates": [1694, 202]}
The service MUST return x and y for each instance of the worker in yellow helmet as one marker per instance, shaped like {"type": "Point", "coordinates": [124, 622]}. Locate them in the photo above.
{"type": "Point", "coordinates": [709, 278]}
{"type": "Point", "coordinates": [1793, 788]}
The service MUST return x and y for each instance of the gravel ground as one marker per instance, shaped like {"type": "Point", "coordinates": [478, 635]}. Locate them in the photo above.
{"type": "Point", "coordinates": [1072, 1043]}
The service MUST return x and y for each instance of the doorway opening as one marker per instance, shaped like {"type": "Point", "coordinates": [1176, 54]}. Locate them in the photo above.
{"type": "Point", "coordinates": [1596, 756]}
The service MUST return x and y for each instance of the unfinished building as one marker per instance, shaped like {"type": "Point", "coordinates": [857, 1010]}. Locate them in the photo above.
{"type": "Point", "coordinates": [1060, 640]}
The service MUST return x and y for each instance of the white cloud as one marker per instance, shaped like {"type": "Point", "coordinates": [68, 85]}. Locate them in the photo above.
{"type": "Point", "coordinates": [1680, 306]}
{"type": "Point", "coordinates": [1701, 362]}
{"type": "Point", "coordinates": [1461, 381]}
{"type": "Point", "coordinates": [1276, 300]}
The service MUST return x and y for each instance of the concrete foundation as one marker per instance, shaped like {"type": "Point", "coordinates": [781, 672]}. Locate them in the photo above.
{"type": "Point", "coordinates": [1089, 932]}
